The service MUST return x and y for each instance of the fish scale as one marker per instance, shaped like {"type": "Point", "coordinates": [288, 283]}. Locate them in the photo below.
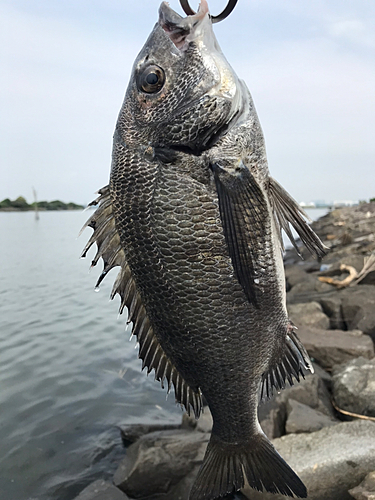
{"type": "Point", "coordinates": [194, 221]}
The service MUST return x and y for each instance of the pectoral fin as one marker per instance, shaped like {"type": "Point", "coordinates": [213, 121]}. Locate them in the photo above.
{"type": "Point", "coordinates": [287, 211]}
{"type": "Point", "coordinates": [242, 208]}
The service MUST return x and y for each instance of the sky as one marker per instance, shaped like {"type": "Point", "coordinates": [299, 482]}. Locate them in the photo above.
{"type": "Point", "coordinates": [309, 65]}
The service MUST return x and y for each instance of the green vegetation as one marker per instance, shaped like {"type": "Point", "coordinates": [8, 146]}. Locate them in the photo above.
{"type": "Point", "coordinates": [372, 199]}
{"type": "Point", "coordinates": [20, 204]}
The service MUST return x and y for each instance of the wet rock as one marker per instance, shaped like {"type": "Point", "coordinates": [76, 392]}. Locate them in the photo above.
{"type": "Point", "coordinates": [354, 386]}
{"type": "Point", "coordinates": [308, 314]}
{"type": "Point", "coordinates": [333, 347]}
{"type": "Point", "coordinates": [358, 309]}
{"type": "Point", "coordinates": [366, 490]}
{"type": "Point", "coordinates": [329, 462]}
{"type": "Point", "coordinates": [302, 418]}
{"type": "Point", "coordinates": [131, 433]}
{"type": "Point", "coordinates": [158, 461]}
{"type": "Point", "coordinates": [102, 490]}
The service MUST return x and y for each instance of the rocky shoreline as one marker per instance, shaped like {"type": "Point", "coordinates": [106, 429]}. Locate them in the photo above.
{"type": "Point", "coordinates": [325, 426]}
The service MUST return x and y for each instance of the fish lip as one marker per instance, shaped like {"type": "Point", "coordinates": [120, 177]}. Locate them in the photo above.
{"type": "Point", "coordinates": [183, 30]}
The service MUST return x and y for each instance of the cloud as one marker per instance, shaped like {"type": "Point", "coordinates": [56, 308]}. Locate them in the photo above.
{"type": "Point", "coordinates": [353, 31]}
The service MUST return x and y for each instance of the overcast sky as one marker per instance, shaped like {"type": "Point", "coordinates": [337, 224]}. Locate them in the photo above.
{"type": "Point", "coordinates": [309, 64]}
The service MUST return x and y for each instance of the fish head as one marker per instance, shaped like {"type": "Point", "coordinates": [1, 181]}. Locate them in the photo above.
{"type": "Point", "coordinates": [182, 91]}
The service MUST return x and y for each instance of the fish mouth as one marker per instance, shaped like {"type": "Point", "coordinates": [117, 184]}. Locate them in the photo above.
{"type": "Point", "coordinates": [183, 30]}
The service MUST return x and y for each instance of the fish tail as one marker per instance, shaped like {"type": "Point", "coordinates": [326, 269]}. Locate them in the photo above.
{"type": "Point", "coordinates": [226, 466]}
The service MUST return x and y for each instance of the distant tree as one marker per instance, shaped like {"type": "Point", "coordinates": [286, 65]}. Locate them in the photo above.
{"type": "Point", "coordinates": [20, 203]}
{"type": "Point", "coordinates": [5, 203]}
{"type": "Point", "coordinates": [372, 199]}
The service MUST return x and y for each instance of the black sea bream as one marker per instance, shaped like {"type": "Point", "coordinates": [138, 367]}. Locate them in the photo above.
{"type": "Point", "coordinates": [194, 219]}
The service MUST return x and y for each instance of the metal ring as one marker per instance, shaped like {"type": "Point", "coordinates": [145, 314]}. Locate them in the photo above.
{"type": "Point", "coordinates": [215, 19]}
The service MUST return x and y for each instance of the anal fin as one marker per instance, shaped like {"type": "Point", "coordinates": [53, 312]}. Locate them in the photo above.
{"type": "Point", "coordinates": [294, 362]}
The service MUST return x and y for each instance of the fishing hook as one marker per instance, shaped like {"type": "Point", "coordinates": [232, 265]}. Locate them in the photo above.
{"type": "Point", "coordinates": [215, 19]}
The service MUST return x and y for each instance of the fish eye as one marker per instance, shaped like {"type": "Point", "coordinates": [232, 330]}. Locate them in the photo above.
{"type": "Point", "coordinates": [151, 79]}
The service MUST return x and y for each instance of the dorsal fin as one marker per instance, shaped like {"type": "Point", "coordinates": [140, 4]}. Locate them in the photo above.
{"type": "Point", "coordinates": [287, 211]}
{"type": "Point", "coordinates": [152, 354]}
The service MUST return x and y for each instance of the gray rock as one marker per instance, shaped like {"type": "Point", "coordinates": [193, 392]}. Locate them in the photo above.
{"type": "Point", "coordinates": [307, 291]}
{"type": "Point", "coordinates": [329, 462]}
{"type": "Point", "coordinates": [295, 275]}
{"type": "Point", "coordinates": [131, 433]}
{"type": "Point", "coordinates": [158, 461]}
{"type": "Point", "coordinates": [308, 314]}
{"type": "Point", "coordinates": [325, 376]}
{"type": "Point", "coordinates": [358, 308]}
{"type": "Point", "coordinates": [331, 306]}
{"type": "Point", "coordinates": [366, 490]}
{"type": "Point", "coordinates": [203, 424]}
{"type": "Point", "coordinates": [272, 417]}
{"type": "Point", "coordinates": [101, 490]}
{"type": "Point", "coordinates": [354, 386]}
{"type": "Point", "coordinates": [302, 418]}
{"type": "Point", "coordinates": [369, 279]}
{"type": "Point", "coordinates": [333, 347]}
{"type": "Point", "coordinates": [311, 392]}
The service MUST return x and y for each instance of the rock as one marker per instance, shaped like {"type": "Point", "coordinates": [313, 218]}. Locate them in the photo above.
{"type": "Point", "coordinates": [354, 386]}
{"type": "Point", "coordinates": [333, 347]}
{"type": "Point", "coordinates": [308, 314]}
{"type": "Point", "coordinates": [272, 417]}
{"type": "Point", "coordinates": [358, 309]}
{"type": "Point", "coordinates": [101, 490]}
{"type": "Point", "coordinates": [369, 279]}
{"type": "Point", "coordinates": [294, 275]}
{"type": "Point", "coordinates": [203, 424]}
{"type": "Point", "coordinates": [311, 392]}
{"type": "Point", "coordinates": [131, 433]}
{"type": "Point", "coordinates": [158, 461]}
{"type": "Point", "coordinates": [331, 306]}
{"type": "Point", "coordinates": [366, 490]}
{"type": "Point", "coordinates": [329, 462]}
{"type": "Point", "coordinates": [307, 291]}
{"type": "Point", "coordinates": [322, 374]}
{"type": "Point", "coordinates": [354, 260]}
{"type": "Point", "coordinates": [302, 418]}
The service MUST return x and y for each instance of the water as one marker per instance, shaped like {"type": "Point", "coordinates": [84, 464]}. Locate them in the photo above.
{"type": "Point", "coordinates": [68, 374]}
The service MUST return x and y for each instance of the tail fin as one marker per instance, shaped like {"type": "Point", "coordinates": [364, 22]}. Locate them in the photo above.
{"type": "Point", "coordinates": [226, 465]}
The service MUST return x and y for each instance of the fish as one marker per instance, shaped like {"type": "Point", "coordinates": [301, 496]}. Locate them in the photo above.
{"type": "Point", "coordinates": [194, 220]}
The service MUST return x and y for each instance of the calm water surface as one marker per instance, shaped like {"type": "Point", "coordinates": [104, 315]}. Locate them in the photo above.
{"type": "Point", "coordinates": [68, 374]}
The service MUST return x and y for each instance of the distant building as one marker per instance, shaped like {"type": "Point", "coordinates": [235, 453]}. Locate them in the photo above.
{"type": "Point", "coordinates": [344, 203]}
{"type": "Point", "coordinates": [310, 204]}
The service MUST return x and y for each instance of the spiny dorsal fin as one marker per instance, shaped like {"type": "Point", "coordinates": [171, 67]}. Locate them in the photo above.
{"type": "Point", "coordinates": [150, 351]}
{"type": "Point", "coordinates": [287, 211]}
{"type": "Point", "coordinates": [294, 363]}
